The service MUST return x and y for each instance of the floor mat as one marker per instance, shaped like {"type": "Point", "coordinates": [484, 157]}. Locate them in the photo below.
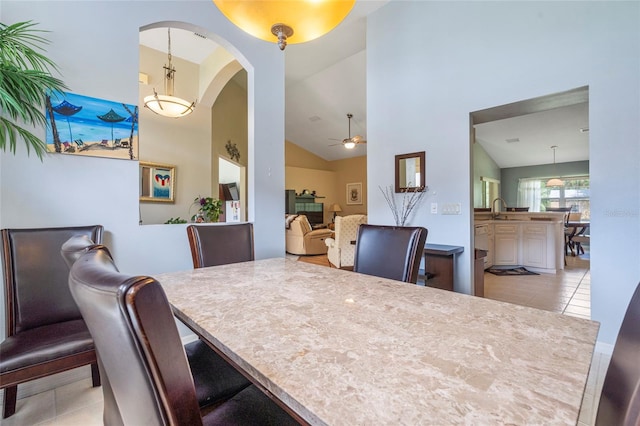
{"type": "Point", "coordinates": [511, 271]}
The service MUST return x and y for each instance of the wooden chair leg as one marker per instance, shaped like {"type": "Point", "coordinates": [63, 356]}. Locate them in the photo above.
{"type": "Point", "coordinates": [10, 396]}
{"type": "Point", "coordinates": [95, 374]}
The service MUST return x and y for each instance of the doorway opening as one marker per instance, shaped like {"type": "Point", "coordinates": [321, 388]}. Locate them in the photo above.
{"type": "Point", "coordinates": [510, 143]}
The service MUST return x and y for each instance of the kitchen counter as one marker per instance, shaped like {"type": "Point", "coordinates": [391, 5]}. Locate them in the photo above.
{"type": "Point", "coordinates": [531, 239]}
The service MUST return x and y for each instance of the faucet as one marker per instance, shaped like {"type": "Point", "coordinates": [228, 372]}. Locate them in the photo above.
{"type": "Point", "coordinates": [493, 205]}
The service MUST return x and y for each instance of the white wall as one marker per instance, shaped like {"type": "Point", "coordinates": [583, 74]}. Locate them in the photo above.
{"type": "Point", "coordinates": [429, 64]}
{"type": "Point", "coordinates": [95, 45]}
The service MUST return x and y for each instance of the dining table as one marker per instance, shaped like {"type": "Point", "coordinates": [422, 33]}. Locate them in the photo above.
{"type": "Point", "coordinates": [336, 347]}
{"type": "Point", "coordinates": [573, 229]}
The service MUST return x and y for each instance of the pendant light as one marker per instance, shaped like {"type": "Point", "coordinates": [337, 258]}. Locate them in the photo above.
{"type": "Point", "coordinates": [289, 21]}
{"type": "Point", "coordinates": [168, 105]}
{"type": "Point", "coordinates": [555, 181]}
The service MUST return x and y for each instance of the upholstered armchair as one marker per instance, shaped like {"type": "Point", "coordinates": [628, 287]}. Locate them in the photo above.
{"type": "Point", "coordinates": [302, 239]}
{"type": "Point", "coordinates": [341, 251]}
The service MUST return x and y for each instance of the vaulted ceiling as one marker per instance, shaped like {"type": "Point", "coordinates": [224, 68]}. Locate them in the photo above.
{"type": "Point", "coordinates": [325, 79]}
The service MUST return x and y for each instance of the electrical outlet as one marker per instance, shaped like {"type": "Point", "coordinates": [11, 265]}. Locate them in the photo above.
{"type": "Point", "coordinates": [434, 208]}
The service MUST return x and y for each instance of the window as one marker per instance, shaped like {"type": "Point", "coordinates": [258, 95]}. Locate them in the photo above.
{"type": "Point", "coordinates": [533, 193]}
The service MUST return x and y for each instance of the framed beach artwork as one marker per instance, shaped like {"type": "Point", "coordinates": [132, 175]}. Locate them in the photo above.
{"type": "Point", "coordinates": [81, 125]}
{"type": "Point", "coordinates": [354, 193]}
{"type": "Point", "coordinates": [157, 182]}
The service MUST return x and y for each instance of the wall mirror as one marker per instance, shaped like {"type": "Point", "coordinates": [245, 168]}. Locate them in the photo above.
{"type": "Point", "coordinates": [212, 76]}
{"type": "Point", "coordinates": [410, 172]}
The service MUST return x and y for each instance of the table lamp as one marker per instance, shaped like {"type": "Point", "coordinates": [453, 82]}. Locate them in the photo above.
{"type": "Point", "coordinates": [335, 208]}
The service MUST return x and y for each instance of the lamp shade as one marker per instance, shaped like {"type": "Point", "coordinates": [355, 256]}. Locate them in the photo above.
{"type": "Point", "coordinates": [308, 19]}
{"type": "Point", "coordinates": [168, 106]}
{"type": "Point", "coordinates": [555, 182]}
{"type": "Point", "coordinates": [335, 208]}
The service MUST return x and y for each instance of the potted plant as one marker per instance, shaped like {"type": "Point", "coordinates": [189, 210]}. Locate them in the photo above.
{"type": "Point", "coordinates": [209, 209]}
{"type": "Point", "coordinates": [25, 81]}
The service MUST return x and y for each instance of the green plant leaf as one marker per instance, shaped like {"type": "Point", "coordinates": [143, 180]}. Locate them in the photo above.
{"type": "Point", "coordinates": [25, 79]}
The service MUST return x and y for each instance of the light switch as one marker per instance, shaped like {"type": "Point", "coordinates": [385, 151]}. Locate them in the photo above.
{"type": "Point", "coordinates": [434, 208]}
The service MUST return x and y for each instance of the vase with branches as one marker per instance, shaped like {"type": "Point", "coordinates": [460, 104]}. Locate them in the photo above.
{"type": "Point", "coordinates": [402, 208]}
{"type": "Point", "coordinates": [25, 83]}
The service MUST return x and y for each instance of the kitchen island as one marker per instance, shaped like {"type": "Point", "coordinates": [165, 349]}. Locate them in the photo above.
{"type": "Point", "coordinates": [532, 240]}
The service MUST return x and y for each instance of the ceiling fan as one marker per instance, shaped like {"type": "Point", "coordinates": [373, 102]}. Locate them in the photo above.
{"type": "Point", "coordinates": [350, 142]}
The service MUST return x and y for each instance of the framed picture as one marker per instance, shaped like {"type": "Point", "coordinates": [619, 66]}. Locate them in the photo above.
{"type": "Point", "coordinates": [81, 125]}
{"type": "Point", "coordinates": [354, 193]}
{"type": "Point", "coordinates": [157, 182]}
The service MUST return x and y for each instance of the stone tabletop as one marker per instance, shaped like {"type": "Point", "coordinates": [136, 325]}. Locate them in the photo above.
{"type": "Point", "coordinates": [345, 348]}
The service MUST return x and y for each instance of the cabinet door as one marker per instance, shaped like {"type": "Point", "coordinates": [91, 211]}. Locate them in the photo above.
{"type": "Point", "coordinates": [506, 244]}
{"type": "Point", "coordinates": [534, 245]}
{"type": "Point", "coordinates": [506, 249]}
{"type": "Point", "coordinates": [489, 262]}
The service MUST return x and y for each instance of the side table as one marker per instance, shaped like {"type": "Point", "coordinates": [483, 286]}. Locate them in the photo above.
{"type": "Point", "coordinates": [439, 265]}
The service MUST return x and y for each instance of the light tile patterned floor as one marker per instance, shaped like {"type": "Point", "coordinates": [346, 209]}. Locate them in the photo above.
{"type": "Point", "coordinates": [78, 404]}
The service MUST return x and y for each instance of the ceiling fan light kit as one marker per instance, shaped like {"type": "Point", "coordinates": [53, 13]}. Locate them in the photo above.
{"type": "Point", "coordinates": [351, 142]}
{"type": "Point", "coordinates": [168, 105]}
{"type": "Point", "coordinates": [289, 21]}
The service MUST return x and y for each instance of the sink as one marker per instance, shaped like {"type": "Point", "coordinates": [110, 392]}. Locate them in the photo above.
{"type": "Point", "coordinates": [517, 209]}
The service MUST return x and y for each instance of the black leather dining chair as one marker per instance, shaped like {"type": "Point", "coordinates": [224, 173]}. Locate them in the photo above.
{"type": "Point", "coordinates": [45, 331]}
{"type": "Point", "coordinates": [213, 245]}
{"type": "Point", "coordinates": [390, 251]}
{"type": "Point", "coordinates": [140, 349]}
{"type": "Point", "coordinates": [620, 397]}
{"type": "Point", "coordinates": [215, 380]}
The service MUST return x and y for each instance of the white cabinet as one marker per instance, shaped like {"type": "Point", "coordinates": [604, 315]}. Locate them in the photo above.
{"type": "Point", "coordinates": [489, 262]}
{"type": "Point", "coordinates": [534, 245]}
{"type": "Point", "coordinates": [506, 250]}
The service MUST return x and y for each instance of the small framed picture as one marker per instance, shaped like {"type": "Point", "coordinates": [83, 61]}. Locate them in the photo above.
{"type": "Point", "coordinates": [354, 193]}
{"type": "Point", "coordinates": [157, 182]}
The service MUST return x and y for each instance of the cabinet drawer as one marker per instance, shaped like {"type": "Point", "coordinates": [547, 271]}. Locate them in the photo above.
{"type": "Point", "coordinates": [535, 229]}
{"type": "Point", "coordinates": [506, 229]}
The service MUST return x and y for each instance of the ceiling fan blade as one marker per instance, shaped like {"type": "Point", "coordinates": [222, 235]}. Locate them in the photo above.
{"type": "Point", "coordinates": [334, 139]}
{"type": "Point", "coordinates": [335, 144]}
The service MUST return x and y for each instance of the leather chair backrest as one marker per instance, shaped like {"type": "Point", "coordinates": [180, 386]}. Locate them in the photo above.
{"type": "Point", "coordinates": [71, 251]}
{"type": "Point", "coordinates": [36, 276]}
{"type": "Point", "coordinates": [620, 397]}
{"type": "Point", "coordinates": [137, 340]}
{"type": "Point", "coordinates": [390, 251]}
{"type": "Point", "coordinates": [213, 245]}
{"type": "Point", "coordinates": [74, 248]}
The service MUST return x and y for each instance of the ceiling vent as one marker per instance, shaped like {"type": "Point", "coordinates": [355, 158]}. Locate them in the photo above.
{"type": "Point", "coordinates": [513, 140]}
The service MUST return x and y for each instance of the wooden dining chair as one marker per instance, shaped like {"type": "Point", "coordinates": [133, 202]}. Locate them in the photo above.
{"type": "Point", "coordinates": [620, 397]}
{"type": "Point", "coordinates": [390, 251]}
{"type": "Point", "coordinates": [213, 245]}
{"type": "Point", "coordinates": [45, 331]}
{"type": "Point", "coordinates": [141, 352]}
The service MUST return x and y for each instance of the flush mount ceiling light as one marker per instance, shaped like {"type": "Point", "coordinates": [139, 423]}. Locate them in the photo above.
{"type": "Point", "coordinates": [290, 21]}
{"type": "Point", "coordinates": [168, 105]}
{"type": "Point", "coordinates": [554, 181]}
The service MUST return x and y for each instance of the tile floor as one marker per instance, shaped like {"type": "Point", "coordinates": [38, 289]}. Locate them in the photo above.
{"type": "Point", "coordinates": [78, 404]}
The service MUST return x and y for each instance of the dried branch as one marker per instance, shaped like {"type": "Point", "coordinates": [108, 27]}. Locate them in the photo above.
{"type": "Point", "coordinates": [410, 199]}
